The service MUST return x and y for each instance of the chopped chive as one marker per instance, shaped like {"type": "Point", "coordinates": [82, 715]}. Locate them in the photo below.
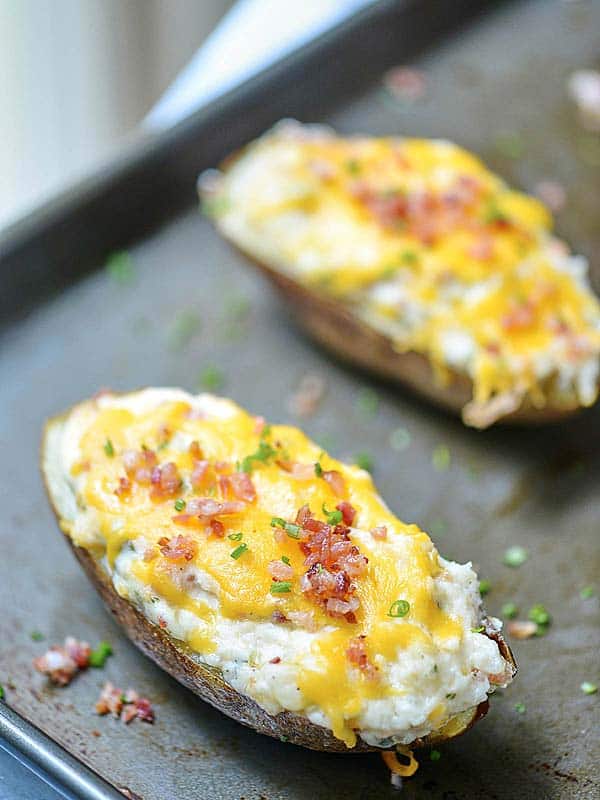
{"type": "Point", "coordinates": [587, 592]}
{"type": "Point", "coordinates": [435, 755]}
{"type": "Point", "coordinates": [264, 453]}
{"type": "Point", "coordinates": [120, 268]}
{"type": "Point", "coordinates": [239, 551]}
{"type": "Point", "coordinates": [539, 615]}
{"type": "Point", "coordinates": [353, 166]}
{"type": "Point", "coordinates": [450, 695]}
{"type": "Point", "coordinates": [492, 215]}
{"type": "Point", "coordinates": [441, 458]}
{"type": "Point", "coordinates": [399, 608]}
{"type": "Point", "coordinates": [318, 470]}
{"type": "Point", "coordinates": [409, 257]}
{"type": "Point", "coordinates": [588, 688]}
{"type": "Point", "coordinates": [480, 629]}
{"type": "Point", "coordinates": [515, 556]}
{"type": "Point", "coordinates": [520, 708]}
{"type": "Point", "coordinates": [236, 537]}
{"type": "Point", "coordinates": [509, 610]}
{"type": "Point", "coordinates": [285, 560]}
{"type": "Point", "coordinates": [277, 522]}
{"type": "Point", "coordinates": [367, 402]}
{"type": "Point", "coordinates": [364, 461]}
{"type": "Point", "coordinates": [211, 378]}
{"type": "Point", "coordinates": [100, 654]}
{"type": "Point", "coordinates": [37, 636]}
{"type": "Point", "coordinates": [1, 692]}
{"type": "Point", "coordinates": [266, 432]}
{"type": "Point", "coordinates": [108, 448]}
{"type": "Point", "coordinates": [179, 504]}
{"type": "Point", "coordinates": [281, 587]}
{"type": "Point", "coordinates": [485, 587]}
{"type": "Point", "coordinates": [400, 439]}
{"type": "Point", "coordinates": [289, 527]}
{"type": "Point", "coordinates": [333, 517]}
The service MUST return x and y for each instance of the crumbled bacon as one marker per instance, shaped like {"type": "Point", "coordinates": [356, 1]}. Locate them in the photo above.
{"type": "Point", "coordinates": [124, 487]}
{"type": "Point", "coordinates": [61, 664]}
{"type": "Point", "coordinates": [238, 485]}
{"type": "Point", "coordinates": [520, 315]}
{"type": "Point", "coordinates": [181, 547]}
{"type": "Point", "coordinates": [278, 617]}
{"type": "Point", "coordinates": [207, 507]}
{"type": "Point", "coordinates": [482, 248]}
{"type": "Point", "coordinates": [305, 400]}
{"type": "Point", "coordinates": [259, 425]}
{"type": "Point", "coordinates": [125, 705]}
{"type": "Point", "coordinates": [303, 619]}
{"type": "Point", "coordinates": [280, 571]}
{"type": "Point", "coordinates": [139, 464]}
{"type": "Point", "coordinates": [335, 481]}
{"type": "Point", "coordinates": [200, 475]}
{"type": "Point", "coordinates": [357, 655]}
{"type": "Point", "coordinates": [348, 512]}
{"type": "Point", "coordinates": [217, 528]}
{"type": "Point", "coordinates": [301, 472]}
{"type": "Point", "coordinates": [379, 532]}
{"type": "Point", "coordinates": [166, 481]}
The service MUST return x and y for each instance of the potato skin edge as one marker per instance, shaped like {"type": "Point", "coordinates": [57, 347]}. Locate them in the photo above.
{"type": "Point", "coordinates": [179, 661]}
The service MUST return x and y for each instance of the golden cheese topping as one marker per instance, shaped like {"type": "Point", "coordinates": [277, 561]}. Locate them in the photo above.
{"type": "Point", "coordinates": [429, 246]}
{"type": "Point", "coordinates": [270, 518]}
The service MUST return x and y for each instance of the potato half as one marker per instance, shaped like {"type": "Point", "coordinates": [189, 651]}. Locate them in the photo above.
{"type": "Point", "coordinates": [283, 593]}
{"type": "Point", "coordinates": [409, 258]}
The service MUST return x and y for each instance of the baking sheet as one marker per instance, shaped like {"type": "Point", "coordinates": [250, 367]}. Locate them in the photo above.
{"type": "Point", "coordinates": [539, 489]}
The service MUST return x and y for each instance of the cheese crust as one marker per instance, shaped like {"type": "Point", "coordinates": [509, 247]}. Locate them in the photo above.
{"type": "Point", "coordinates": [372, 672]}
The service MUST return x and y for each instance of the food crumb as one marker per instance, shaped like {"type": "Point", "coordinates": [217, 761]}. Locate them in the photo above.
{"type": "Point", "coordinates": [304, 402]}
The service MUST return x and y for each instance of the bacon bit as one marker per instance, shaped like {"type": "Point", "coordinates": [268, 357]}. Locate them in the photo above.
{"type": "Point", "coordinates": [162, 623]}
{"type": "Point", "coordinates": [217, 528]}
{"type": "Point", "coordinates": [259, 425]}
{"type": "Point", "coordinates": [124, 487]}
{"type": "Point", "coordinates": [301, 472]}
{"type": "Point", "coordinates": [303, 515]}
{"type": "Point", "coordinates": [335, 481]}
{"type": "Point", "coordinates": [125, 705]}
{"type": "Point", "coordinates": [405, 83]}
{"type": "Point", "coordinates": [166, 481]}
{"type": "Point", "coordinates": [195, 413]}
{"type": "Point", "coordinates": [305, 400]}
{"type": "Point", "coordinates": [521, 629]}
{"type": "Point", "coordinates": [380, 532]}
{"type": "Point", "coordinates": [348, 512]}
{"type": "Point", "coordinates": [149, 553]}
{"type": "Point", "coordinates": [275, 660]}
{"type": "Point", "coordinates": [238, 485]}
{"type": "Point", "coordinates": [482, 248]}
{"type": "Point", "coordinates": [357, 655]}
{"type": "Point", "coordinates": [207, 507]}
{"type": "Point", "coordinates": [181, 547]}
{"type": "Point", "coordinates": [278, 617]}
{"type": "Point", "coordinates": [139, 465]}
{"type": "Point", "coordinates": [332, 562]}
{"type": "Point", "coordinates": [303, 619]}
{"type": "Point", "coordinates": [551, 193]}
{"type": "Point", "coordinates": [200, 474]}
{"type": "Point", "coordinates": [280, 571]}
{"type": "Point", "coordinates": [520, 316]}
{"type": "Point", "coordinates": [61, 664]}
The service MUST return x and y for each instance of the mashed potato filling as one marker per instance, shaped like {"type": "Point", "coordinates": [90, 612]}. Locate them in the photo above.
{"type": "Point", "coordinates": [398, 657]}
{"type": "Point", "coordinates": [427, 246]}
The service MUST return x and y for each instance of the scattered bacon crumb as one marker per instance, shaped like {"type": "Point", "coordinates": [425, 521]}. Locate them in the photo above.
{"type": "Point", "coordinates": [335, 481]}
{"type": "Point", "coordinates": [280, 571]}
{"type": "Point", "coordinates": [238, 485]}
{"type": "Point", "coordinates": [405, 83]}
{"type": "Point", "coordinates": [302, 472]}
{"type": "Point", "coordinates": [521, 629]}
{"type": "Point", "coordinates": [200, 474]}
{"type": "Point", "coordinates": [217, 528]}
{"type": "Point", "coordinates": [278, 617]}
{"type": "Point", "coordinates": [124, 487]}
{"type": "Point", "coordinates": [348, 512]}
{"type": "Point", "coordinates": [61, 664]}
{"type": "Point", "coordinates": [166, 481]}
{"type": "Point", "coordinates": [379, 532]}
{"type": "Point", "coordinates": [482, 248]}
{"type": "Point", "coordinates": [275, 660]}
{"type": "Point", "coordinates": [125, 705]}
{"type": "Point", "coordinates": [259, 425]}
{"type": "Point", "coordinates": [96, 733]}
{"type": "Point", "coordinates": [162, 622]}
{"type": "Point", "coordinates": [305, 400]}
{"type": "Point", "coordinates": [520, 315]}
{"type": "Point", "coordinates": [357, 655]}
{"type": "Point", "coordinates": [181, 547]}
{"type": "Point", "coordinates": [139, 465]}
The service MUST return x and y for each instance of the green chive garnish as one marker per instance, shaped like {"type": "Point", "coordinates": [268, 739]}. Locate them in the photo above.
{"type": "Point", "coordinates": [441, 458]}
{"type": "Point", "coordinates": [480, 629]}
{"type": "Point", "coordinates": [289, 527]}
{"type": "Point", "coordinates": [108, 448]}
{"type": "Point", "coordinates": [588, 688]}
{"type": "Point", "coordinates": [100, 654]}
{"type": "Point", "coordinates": [318, 470]}
{"type": "Point", "coordinates": [239, 551]}
{"type": "Point", "coordinates": [515, 556]}
{"type": "Point", "coordinates": [539, 615]}
{"type": "Point", "coordinates": [520, 708]}
{"type": "Point", "coordinates": [509, 610]}
{"type": "Point", "coordinates": [450, 695]}
{"type": "Point", "coordinates": [587, 592]}
{"type": "Point", "coordinates": [37, 636]}
{"type": "Point", "coordinates": [485, 587]}
{"type": "Point", "coordinates": [281, 587]}
{"type": "Point", "coordinates": [285, 560]}
{"type": "Point", "coordinates": [179, 504]}
{"type": "Point", "coordinates": [1, 692]}
{"type": "Point", "coordinates": [333, 517]}
{"type": "Point", "coordinates": [435, 755]}
{"type": "Point", "coordinates": [120, 268]}
{"type": "Point", "coordinates": [399, 608]}
{"type": "Point", "coordinates": [264, 453]}
{"type": "Point", "coordinates": [236, 537]}
{"type": "Point", "coordinates": [211, 378]}
{"type": "Point", "coordinates": [353, 166]}
{"type": "Point", "coordinates": [364, 461]}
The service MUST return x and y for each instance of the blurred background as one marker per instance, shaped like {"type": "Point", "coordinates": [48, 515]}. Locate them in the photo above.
{"type": "Point", "coordinates": [78, 76]}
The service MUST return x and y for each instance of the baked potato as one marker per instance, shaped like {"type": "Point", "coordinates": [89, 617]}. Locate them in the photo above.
{"type": "Point", "coordinates": [408, 257]}
{"type": "Point", "coordinates": [267, 577]}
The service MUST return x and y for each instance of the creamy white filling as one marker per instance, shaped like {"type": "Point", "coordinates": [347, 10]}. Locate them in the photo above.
{"type": "Point", "coordinates": [453, 672]}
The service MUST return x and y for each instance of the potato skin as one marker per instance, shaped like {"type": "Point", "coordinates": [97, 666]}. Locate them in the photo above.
{"type": "Point", "coordinates": [176, 658]}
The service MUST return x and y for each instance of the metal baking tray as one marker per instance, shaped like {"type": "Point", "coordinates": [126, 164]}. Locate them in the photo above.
{"type": "Point", "coordinates": [69, 328]}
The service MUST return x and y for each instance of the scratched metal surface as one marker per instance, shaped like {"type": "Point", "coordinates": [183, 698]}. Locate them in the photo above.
{"type": "Point", "coordinates": [539, 489]}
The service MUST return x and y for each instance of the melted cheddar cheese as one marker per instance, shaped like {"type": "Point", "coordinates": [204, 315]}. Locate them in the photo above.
{"type": "Point", "coordinates": [208, 591]}
{"type": "Point", "coordinates": [428, 246]}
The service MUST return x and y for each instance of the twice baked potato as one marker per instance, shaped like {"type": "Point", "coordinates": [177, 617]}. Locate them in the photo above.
{"type": "Point", "coordinates": [410, 258]}
{"type": "Point", "coordinates": [267, 577]}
